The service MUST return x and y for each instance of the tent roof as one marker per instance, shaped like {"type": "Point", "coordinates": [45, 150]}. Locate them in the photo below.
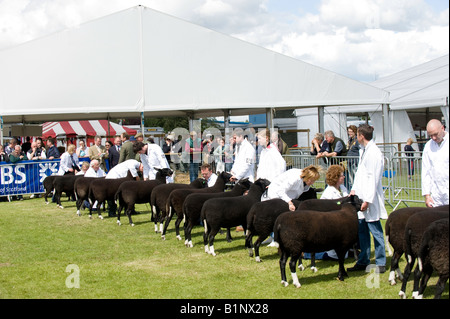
{"type": "Point", "coordinates": [84, 128]}
{"type": "Point", "coordinates": [141, 60]}
{"type": "Point", "coordinates": [424, 85]}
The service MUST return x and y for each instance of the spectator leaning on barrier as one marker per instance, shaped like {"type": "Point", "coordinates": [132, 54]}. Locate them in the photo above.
{"type": "Point", "coordinates": [318, 144]}
{"type": "Point", "coordinates": [435, 166]}
{"type": "Point", "coordinates": [52, 151]}
{"type": "Point", "coordinates": [336, 146]}
{"type": "Point", "coordinates": [3, 156]}
{"type": "Point", "coordinates": [10, 147]}
{"type": "Point", "coordinates": [16, 155]}
{"type": "Point", "coordinates": [36, 152]}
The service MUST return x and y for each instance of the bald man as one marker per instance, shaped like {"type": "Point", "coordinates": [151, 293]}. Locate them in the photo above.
{"type": "Point", "coordinates": [435, 166]}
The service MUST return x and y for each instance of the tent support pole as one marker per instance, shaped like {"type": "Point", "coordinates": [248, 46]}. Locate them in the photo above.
{"type": "Point", "coordinates": [142, 124]}
{"type": "Point", "coordinates": [269, 118]}
{"type": "Point", "coordinates": [321, 113]}
{"type": "Point", "coordinates": [109, 124]}
{"type": "Point", "coordinates": [1, 130]}
{"type": "Point", "coordinates": [386, 131]}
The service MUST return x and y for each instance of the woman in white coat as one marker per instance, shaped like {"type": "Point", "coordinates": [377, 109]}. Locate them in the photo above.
{"type": "Point", "coordinates": [292, 183]}
{"type": "Point", "coordinates": [367, 186]}
{"type": "Point", "coordinates": [69, 163]}
{"type": "Point", "coordinates": [271, 163]}
{"type": "Point", "coordinates": [244, 163]}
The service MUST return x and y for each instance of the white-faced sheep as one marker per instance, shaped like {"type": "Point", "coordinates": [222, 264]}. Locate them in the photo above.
{"type": "Point", "coordinates": [161, 193]}
{"type": "Point", "coordinates": [415, 227]}
{"type": "Point", "coordinates": [262, 216]}
{"type": "Point", "coordinates": [395, 236]}
{"type": "Point", "coordinates": [220, 213]}
{"type": "Point", "coordinates": [138, 192]}
{"type": "Point", "coordinates": [174, 204]}
{"type": "Point", "coordinates": [434, 255]}
{"type": "Point", "coordinates": [315, 231]}
{"type": "Point", "coordinates": [192, 207]}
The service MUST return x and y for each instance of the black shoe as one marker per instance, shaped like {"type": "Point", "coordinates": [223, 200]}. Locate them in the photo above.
{"type": "Point", "coordinates": [380, 270]}
{"type": "Point", "coordinates": [357, 267]}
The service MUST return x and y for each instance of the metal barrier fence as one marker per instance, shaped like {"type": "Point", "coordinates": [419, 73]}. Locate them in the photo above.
{"type": "Point", "coordinates": [401, 178]}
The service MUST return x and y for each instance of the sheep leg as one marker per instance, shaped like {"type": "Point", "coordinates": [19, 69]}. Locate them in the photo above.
{"type": "Point", "coordinates": [313, 262]}
{"type": "Point", "coordinates": [212, 235]}
{"type": "Point", "coordinates": [128, 212]}
{"type": "Point", "coordinates": [248, 242]}
{"type": "Point", "coordinates": [166, 225]}
{"type": "Point", "coordinates": [283, 260]}
{"type": "Point", "coordinates": [394, 267]}
{"type": "Point", "coordinates": [440, 286]}
{"type": "Point", "coordinates": [229, 238]}
{"type": "Point", "coordinates": [187, 234]}
{"type": "Point", "coordinates": [177, 226]}
{"type": "Point", "coordinates": [341, 257]}
{"type": "Point", "coordinates": [257, 244]}
{"type": "Point", "coordinates": [427, 271]}
{"type": "Point", "coordinates": [417, 278]}
{"type": "Point", "coordinates": [292, 264]}
{"type": "Point", "coordinates": [406, 273]}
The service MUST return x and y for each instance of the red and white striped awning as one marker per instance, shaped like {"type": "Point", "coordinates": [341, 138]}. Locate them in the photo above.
{"type": "Point", "coordinates": [84, 128]}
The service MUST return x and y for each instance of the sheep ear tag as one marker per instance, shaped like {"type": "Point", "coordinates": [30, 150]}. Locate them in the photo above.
{"type": "Point", "coordinates": [339, 203]}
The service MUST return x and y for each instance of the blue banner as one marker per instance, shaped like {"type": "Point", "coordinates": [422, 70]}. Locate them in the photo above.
{"type": "Point", "coordinates": [26, 177]}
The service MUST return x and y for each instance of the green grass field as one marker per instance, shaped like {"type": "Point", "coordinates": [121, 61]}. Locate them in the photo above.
{"type": "Point", "coordinates": [41, 245]}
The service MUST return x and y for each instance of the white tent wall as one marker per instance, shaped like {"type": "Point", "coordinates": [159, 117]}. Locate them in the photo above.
{"type": "Point", "coordinates": [308, 119]}
{"type": "Point", "coordinates": [90, 69]}
{"type": "Point", "coordinates": [141, 60]}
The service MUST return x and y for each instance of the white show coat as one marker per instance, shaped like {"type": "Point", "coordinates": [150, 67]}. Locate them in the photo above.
{"type": "Point", "coordinates": [121, 169]}
{"type": "Point", "coordinates": [271, 163]}
{"type": "Point", "coordinates": [332, 193]}
{"type": "Point", "coordinates": [152, 159]}
{"type": "Point", "coordinates": [367, 184]}
{"type": "Point", "coordinates": [92, 173]}
{"type": "Point", "coordinates": [435, 171]}
{"type": "Point", "coordinates": [244, 163]}
{"type": "Point", "coordinates": [66, 162]}
{"type": "Point", "coordinates": [286, 186]}
{"type": "Point", "coordinates": [212, 180]}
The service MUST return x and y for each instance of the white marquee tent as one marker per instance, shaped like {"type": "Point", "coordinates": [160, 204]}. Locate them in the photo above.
{"type": "Point", "coordinates": [418, 89]}
{"type": "Point", "coordinates": [143, 62]}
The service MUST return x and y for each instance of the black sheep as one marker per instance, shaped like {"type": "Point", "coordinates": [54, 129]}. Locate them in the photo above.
{"type": "Point", "coordinates": [161, 193]}
{"type": "Point", "coordinates": [434, 255]}
{"type": "Point", "coordinates": [174, 204]}
{"type": "Point", "coordinates": [138, 192]}
{"type": "Point", "coordinates": [229, 212]}
{"type": "Point", "coordinates": [48, 185]}
{"type": "Point", "coordinates": [64, 184]}
{"type": "Point", "coordinates": [192, 207]}
{"type": "Point", "coordinates": [262, 216]}
{"type": "Point", "coordinates": [395, 236]}
{"type": "Point", "coordinates": [414, 229]}
{"type": "Point", "coordinates": [315, 231]}
{"type": "Point", "coordinates": [81, 189]}
{"type": "Point", "coordinates": [104, 189]}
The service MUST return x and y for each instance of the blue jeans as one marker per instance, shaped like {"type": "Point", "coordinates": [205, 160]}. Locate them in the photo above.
{"type": "Point", "coordinates": [364, 230]}
{"type": "Point", "coordinates": [193, 171]}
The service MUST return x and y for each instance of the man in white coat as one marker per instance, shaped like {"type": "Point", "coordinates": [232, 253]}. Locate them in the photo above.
{"type": "Point", "coordinates": [367, 186]}
{"type": "Point", "coordinates": [244, 163]}
{"type": "Point", "coordinates": [152, 157]}
{"type": "Point", "coordinates": [435, 166]}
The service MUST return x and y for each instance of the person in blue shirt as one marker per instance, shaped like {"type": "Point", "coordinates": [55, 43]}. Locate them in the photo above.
{"type": "Point", "coordinates": [52, 151]}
